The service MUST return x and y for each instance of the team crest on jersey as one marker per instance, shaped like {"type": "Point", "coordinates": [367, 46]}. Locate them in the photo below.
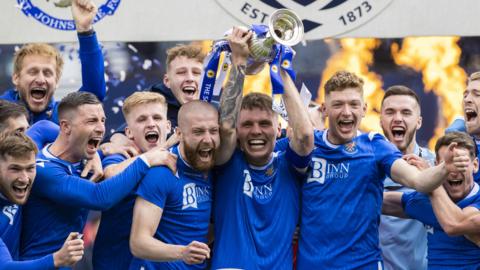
{"type": "Point", "coordinates": [269, 171]}
{"type": "Point", "coordinates": [194, 195]}
{"type": "Point", "coordinates": [350, 147]}
{"type": "Point", "coordinates": [56, 14]}
{"type": "Point", "coordinates": [321, 18]}
{"type": "Point", "coordinates": [10, 211]}
{"type": "Point", "coordinates": [261, 193]}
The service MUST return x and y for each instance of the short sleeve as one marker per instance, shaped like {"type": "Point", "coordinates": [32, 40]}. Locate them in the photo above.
{"type": "Point", "coordinates": [415, 205]}
{"type": "Point", "coordinates": [281, 145]}
{"type": "Point", "coordinates": [112, 160]}
{"type": "Point", "coordinates": [156, 186]}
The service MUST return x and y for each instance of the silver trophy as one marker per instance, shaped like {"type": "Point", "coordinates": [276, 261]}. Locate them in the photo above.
{"type": "Point", "coordinates": [284, 27]}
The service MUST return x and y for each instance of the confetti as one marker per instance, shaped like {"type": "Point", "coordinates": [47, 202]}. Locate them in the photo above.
{"type": "Point", "coordinates": [147, 64]}
{"type": "Point", "coordinates": [131, 47]}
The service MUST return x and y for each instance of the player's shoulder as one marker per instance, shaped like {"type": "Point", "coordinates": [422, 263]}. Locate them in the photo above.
{"type": "Point", "coordinates": [113, 159]}
{"type": "Point", "coordinates": [160, 172]}
{"type": "Point", "coordinates": [371, 136]}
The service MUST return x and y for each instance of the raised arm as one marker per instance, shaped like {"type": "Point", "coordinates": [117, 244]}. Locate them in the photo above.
{"type": "Point", "coordinates": [302, 130]}
{"type": "Point", "coordinates": [91, 57]}
{"type": "Point", "coordinates": [231, 98]}
{"type": "Point", "coordinates": [453, 219]}
{"type": "Point", "coordinates": [426, 181]}
{"type": "Point", "coordinates": [143, 244]}
{"type": "Point", "coordinates": [392, 204]}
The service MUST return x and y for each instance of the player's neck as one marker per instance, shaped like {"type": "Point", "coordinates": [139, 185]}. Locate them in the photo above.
{"type": "Point", "coordinates": [259, 162]}
{"type": "Point", "coordinates": [410, 148]}
{"type": "Point", "coordinates": [61, 150]}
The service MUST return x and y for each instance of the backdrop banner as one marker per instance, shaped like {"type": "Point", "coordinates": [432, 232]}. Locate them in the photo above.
{"type": "Point", "coordinates": [153, 20]}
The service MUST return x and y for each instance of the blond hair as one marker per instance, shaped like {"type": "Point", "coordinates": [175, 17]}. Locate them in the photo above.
{"type": "Point", "coordinates": [189, 51]}
{"type": "Point", "coordinates": [41, 49]}
{"type": "Point", "coordinates": [141, 98]}
{"type": "Point", "coordinates": [474, 76]}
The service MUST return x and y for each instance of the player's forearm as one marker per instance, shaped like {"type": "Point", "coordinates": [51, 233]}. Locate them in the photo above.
{"type": "Point", "coordinates": [115, 169]}
{"type": "Point", "coordinates": [75, 191]}
{"type": "Point", "coordinates": [231, 98]}
{"type": "Point", "coordinates": [298, 120]}
{"type": "Point", "coordinates": [392, 205]}
{"type": "Point", "coordinates": [230, 102]}
{"type": "Point", "coordinates": [7, 263]}
{"type": "Point", "coordinates": [91, 58]}
{"type": "Point", "coordinates": [449, 215]}
{"type": "Point", "coordinates": [427, 180]}
{"type": "Point", "coordinates": [112, 190]}
{"type": "Point", "coordinates": [148, 248]}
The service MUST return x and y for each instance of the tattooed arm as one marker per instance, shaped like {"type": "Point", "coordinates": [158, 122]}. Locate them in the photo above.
{"type": "Point", "coordinates": [232, 94]}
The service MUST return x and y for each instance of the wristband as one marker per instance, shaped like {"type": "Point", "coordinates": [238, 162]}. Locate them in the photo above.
{"type": "Point", "coordinates": [297, 160]}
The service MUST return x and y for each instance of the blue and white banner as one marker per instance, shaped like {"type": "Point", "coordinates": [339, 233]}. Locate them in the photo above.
{"type": "Point", "coordinates": [153, 20]}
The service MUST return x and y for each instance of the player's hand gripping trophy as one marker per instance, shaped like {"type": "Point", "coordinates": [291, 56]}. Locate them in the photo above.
{"type": "Point", "coordinates": [269, 44]}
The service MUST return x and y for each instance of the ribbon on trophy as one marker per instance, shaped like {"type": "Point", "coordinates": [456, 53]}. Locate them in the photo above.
{"type": "Point", "coordinates": [210, 70]}
{"type": "Point", "coordinates": [269, 44]}
{"type": "Point", "coordinates": [285, 55]}
{"type": "Point", "coordinates": [211, 82]}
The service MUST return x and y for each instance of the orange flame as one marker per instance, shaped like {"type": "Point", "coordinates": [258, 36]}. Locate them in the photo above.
{"type": "Point", "coordinates": [355, 56]}
{"type": "Point", "coordinates": [437, 58]}
{"type": "Point", "coordinates": [259, 82]}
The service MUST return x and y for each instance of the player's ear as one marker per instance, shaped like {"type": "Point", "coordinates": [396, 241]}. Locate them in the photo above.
{"type": "Point", "coordinates": [65, 126]}
{"type": "Point", "coordinates": [166, 80]}
{"type": "Point", "coordinates": [475, 165]}
{"type": "Point", "coordinates": [169, 127]}
{"type": "Point", "coordinates": [419, 122]}
{"type": "Point", "coordinates": [128, 133]}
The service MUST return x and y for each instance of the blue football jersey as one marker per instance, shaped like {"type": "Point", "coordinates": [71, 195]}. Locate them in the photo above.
{"type": "Point", "coordinates": [256, 210]}
{"type": "Point", "coordinates": [186, 200]}
{"type": "Point", "coordinates": [61, 199]}
{"type": "Point", "coordinates": [341, 203]}
{"type": "Point", "coordinates": [10, 226]}
{"type": "Point", "coordinates": [111, 249]}
{"type": "Point", "coordinates": [444, 252]}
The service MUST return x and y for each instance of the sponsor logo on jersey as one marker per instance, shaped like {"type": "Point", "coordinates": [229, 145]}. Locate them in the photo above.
{"type": "Point", "coordinates": [429, 229]}
{"type": "Point", "coordinates": [323, 170]}
{"type": "Point", "coordinates": [261, 193]}
{"type": "Point", "coordinates": [194, 195]}
{"type": "Point", "coordinates": [10, 211]}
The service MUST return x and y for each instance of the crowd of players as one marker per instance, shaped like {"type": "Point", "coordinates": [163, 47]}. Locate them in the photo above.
{"type": "Point", "coordinates": [184, 185]}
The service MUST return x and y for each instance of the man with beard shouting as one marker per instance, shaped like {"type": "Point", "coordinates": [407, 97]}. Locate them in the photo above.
{"type": "Point", "coordinates": [401, 238]}
{"type": "Point", "coordinates": [172, 211]}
